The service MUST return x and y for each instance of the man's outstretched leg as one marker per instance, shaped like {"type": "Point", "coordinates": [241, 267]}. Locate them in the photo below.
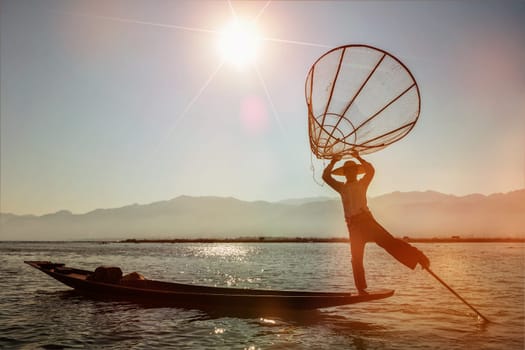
{"type": "Point", "coordinates": [405, 253]}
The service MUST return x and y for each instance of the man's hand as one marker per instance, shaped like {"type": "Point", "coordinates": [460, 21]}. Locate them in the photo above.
{"type": "Point", "coordinates": [335, 159]}
{"type": "Point", "coordinates": [369, 169]}
{"type": "Point", "coordinates": [330, 165]}
{"type": "Point", "coordinates": [327, 174]}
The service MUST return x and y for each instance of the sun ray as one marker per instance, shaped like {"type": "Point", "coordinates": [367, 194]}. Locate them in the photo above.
{"type": "Point", "coordinates": [230, 5]}
{"type": "Point", "coordinates": [261, 11]}
{"type": "Point", "coordinates": [127, 20]}
{"type": "Point", "coordinates": [181, 116]}
{"type": "Point", "coordinates": [193, 29]}
{"type": "Point", "coordinates": [212, 75]}
{"type": "Point", "coordinates": [199, 93]}
{"type": "Point", "coordinates": [270, 100]}
{"type": "Point", "coordinates": [296, 42]}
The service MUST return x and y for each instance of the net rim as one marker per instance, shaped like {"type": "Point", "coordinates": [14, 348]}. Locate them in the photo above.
{"type": "Point", "coordinates": [309, 85]}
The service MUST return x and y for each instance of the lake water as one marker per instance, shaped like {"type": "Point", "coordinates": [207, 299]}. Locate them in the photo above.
{"type": "Point", "coordinates": [39, 312]}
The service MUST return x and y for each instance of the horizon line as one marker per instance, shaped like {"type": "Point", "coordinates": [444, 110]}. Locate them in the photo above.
{"type": "Point", "coordinates": [282, 239]}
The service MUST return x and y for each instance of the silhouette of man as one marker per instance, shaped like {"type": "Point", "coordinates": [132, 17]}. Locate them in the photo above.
{"type": "Point", "coordinates": [362, 227]}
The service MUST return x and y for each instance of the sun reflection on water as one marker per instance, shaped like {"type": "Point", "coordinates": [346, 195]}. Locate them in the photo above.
{"type": "Point", "coordinates": [222, 250]}
{"type": "Point", "coordinates": [267, 321]}
{"type": "Point", "coordinates": [218, 330]}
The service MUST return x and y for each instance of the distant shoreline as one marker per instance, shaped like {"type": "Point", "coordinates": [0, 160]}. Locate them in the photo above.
{"type": "Point", "coordinates": [319, 240]}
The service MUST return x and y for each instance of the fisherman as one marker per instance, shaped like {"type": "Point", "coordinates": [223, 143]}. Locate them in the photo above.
{"type": "Point", "coordinates": [362, 227]}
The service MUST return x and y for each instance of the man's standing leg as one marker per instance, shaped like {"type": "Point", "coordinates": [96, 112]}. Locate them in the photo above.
{"type": "Point", "coordinates": [357, 249]}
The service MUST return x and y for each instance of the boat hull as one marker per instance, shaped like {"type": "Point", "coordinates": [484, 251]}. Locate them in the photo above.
{"type": "Point", "coordinates": [203, 297]}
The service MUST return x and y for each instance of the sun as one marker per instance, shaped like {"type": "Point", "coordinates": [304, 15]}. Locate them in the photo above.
{"type": "Point", "coordinates": [239, 43]}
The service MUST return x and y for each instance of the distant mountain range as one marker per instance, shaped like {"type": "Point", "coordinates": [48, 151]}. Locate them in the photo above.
{"type": "Point", "coordinates": [414, 214]}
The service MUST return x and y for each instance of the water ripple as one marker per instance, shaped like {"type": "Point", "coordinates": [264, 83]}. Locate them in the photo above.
{"type": "Point", "coordinates": [37, 312]}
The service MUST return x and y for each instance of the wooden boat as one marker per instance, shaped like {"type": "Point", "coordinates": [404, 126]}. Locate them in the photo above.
{"type": "Point", "coordinates": [200, 297]}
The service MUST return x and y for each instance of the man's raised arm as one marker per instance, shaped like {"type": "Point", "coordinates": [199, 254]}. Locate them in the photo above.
{"type": "Point", "coordinates": [369, 169]}
{"type": "Point", "coordinates": [327, 175]}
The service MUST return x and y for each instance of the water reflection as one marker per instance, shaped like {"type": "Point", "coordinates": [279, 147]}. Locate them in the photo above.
{"type": "Point", "coordinates": [224, 324]}
{"type": "Point", "coordinates": [237, 251]}
{"type": "Point", "coordinates": [288, 317]}
{"type": "Point", "coordinates": [38, 312]}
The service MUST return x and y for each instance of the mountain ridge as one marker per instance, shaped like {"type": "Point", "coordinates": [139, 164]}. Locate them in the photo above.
{"type": "Point", "coordinates": [431, 213]}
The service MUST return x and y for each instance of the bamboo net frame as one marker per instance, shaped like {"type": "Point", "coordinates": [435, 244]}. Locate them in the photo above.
{"type": "Point", "coordinates": [360, 98]}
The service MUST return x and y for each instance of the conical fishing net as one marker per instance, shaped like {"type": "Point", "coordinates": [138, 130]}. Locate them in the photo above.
{"type": "Point", "coordinates": [359, 99]}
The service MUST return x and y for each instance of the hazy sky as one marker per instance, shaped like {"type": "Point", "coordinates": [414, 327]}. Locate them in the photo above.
{"type": "Point", "coordinates": [108, 103]}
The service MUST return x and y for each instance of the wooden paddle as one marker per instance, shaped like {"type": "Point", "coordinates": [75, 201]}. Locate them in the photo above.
{"type": "Point", "coordinates": [456, 294]}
